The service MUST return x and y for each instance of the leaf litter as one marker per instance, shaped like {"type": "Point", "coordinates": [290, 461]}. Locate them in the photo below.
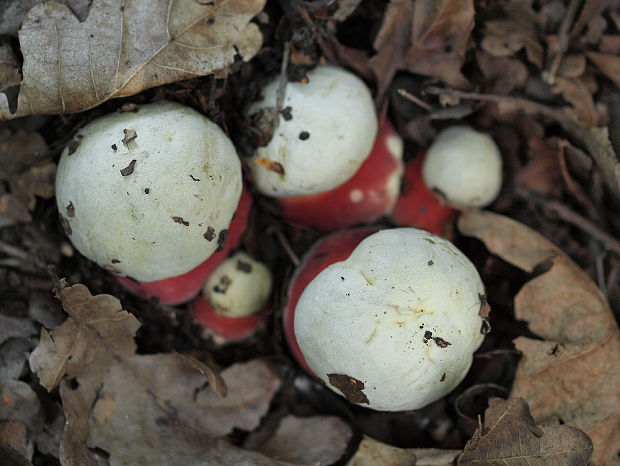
{"type": "Point", "coordinates": [108, 391]}
{"type": "Point", "coordinates": [572, 374]}
{"type": "Point", "coordinates": [544, 76]}
{"type": "Point", "coordinates": [124, 47]}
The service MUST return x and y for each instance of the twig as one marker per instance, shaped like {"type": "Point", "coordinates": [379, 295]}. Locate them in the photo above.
{"type": "Point", "coordinates": [572, 187]}
{"type": "Point", "coordinates": [414, 99]}
{"type": "Point", "coordinates": [574, 219]}
{"type": "Point", "coordinates": [15, 252]}
{"type": "Point", "coordinates": [600, 272]}
{"type": "Point", "coordinates": [281, 93]}
{"type": "Point", "coordinates": [567, 21]}
{"type": "Point", "coordinates": [285, 245]}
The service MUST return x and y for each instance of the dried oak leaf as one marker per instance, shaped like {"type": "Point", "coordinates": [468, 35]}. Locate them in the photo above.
{"type": "Point", "coordinates": [124, 47]}
{"type": "Point", "coordinates": [97, 331]}
{"type": "Point", "coordinates": [439, 36]}
{"type": "Point", "coordinates": [373, 452]}
{"type": "Point", "coordinates": [158, 401]}
{"type": "Point", "coordinates": [308, 440]}
{"type": "Point", "coordinates": [573, 373]}
{"type": "Point", "coordinates": [510, 436]}
{"type": "Point", "coordinates": [427, 37]}
{"type": "Point", "coordinates": [163, 406]}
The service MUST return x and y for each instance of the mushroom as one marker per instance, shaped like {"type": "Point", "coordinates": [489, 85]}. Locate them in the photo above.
{"type": "Point", "coordinates": [388, 319]}
{"type": "Point", "coordinates": [463, 168]}
{"type": "Point", "coordinates": [149, 195]}
{"type": "Point", "coordinates": [325, 164]}
{"type": "Point", "coordinates": [232, 305]}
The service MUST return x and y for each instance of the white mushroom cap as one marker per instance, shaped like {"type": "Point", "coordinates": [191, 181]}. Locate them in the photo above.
{"type": "Point", "coordinates": [400, 315]}
{"type": "Point", "coordinates": [465, 166]}
{"type": "Point", "coordinates": [330, 134]}
{"type": "Point", "coordinates": [239, 286]}
{"type": "Point", "coordinates": [151, 207]}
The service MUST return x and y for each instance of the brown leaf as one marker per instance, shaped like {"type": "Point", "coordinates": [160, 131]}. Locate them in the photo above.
{"type": "Point", "coordinates": [576, 92]}
{"type": "Point", "coordinates": [210, 370]}
{"type": "Point", "coordinates": [608, 64]}
{"type": "Point", "coordinates": [124, 47]}
{"type": "Point", "coordinates": [9, 68]}
{"type": "Point", "coordinates": [97, 331]}
{"type": "Point", "coordinates": [159, 401]}
{"type": "Point", "coordinates": [510, 436]}
{"type": "Point", "coordinates": [375, 453]}
{"type": "Point", "coordinates": [308, 440]}
{"type": "Point", "coordinates": [162, 405]}
{"type": "Point", "coordinates": [573, 373]}
{"type": "Point", "coordinates": [505, 74]}
{"type": "Point", "coordinates": [542, 173]}
{"type": "Point", "coordinates": [439, 36]}
{"type": "Point", "coordinates": [392, 43]}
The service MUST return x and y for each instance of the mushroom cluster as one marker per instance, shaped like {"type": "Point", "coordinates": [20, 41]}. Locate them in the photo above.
{"type": "Point", "coordinates": [388, 318]}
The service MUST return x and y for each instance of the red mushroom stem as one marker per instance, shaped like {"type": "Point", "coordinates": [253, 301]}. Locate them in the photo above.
{"type": "Point", "coordinates": [229, 329]}
{"type": "Point", "coordinates": [418, 205]}
{"type": "Point", "coordinates": [362, 199]}
{"type": "Point", "coordinates": [182, 288]}
{"type": "Point", "coordinates": [328, 250]}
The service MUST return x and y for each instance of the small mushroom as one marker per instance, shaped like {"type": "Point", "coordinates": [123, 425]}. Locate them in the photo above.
{"type": "Point", "coordinates": [463, 167]}
{"type": "Point", "coordinates": [233, 302]}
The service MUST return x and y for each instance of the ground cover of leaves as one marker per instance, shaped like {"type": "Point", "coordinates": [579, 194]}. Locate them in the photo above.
{"type": "Point", "coordinates": [90, 374]}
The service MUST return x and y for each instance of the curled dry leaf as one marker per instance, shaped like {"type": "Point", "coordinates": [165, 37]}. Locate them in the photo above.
{"type": "Point", "coordinates": [97, 330]}
{"type": "Point", "coordinates": [510, 436]}
{"type": "Point", "coordinates": [124, 47]}
{"type": "Point", "coordinates": [439, 36]}
{"type": "Point", "coordinates": [426, 37]}
{"type": "Point", "coordinates": [375, 453]}
{"type": "Point", "coordinates": [573, 373]}
{"type": "Point", "coordinates": [318, 440]}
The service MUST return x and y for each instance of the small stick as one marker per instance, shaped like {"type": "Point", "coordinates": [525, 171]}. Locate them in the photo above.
{"type": "Point", "coordinates": [567, 21]}
{"type": "Point", "coordinates": [574, 219]}
{"type": "Point", "coordinates": [285, 245]}
{"type": "Point", "coordinates": [281, 94]}
{"type": "Point", "coordinates": [416, 100]}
